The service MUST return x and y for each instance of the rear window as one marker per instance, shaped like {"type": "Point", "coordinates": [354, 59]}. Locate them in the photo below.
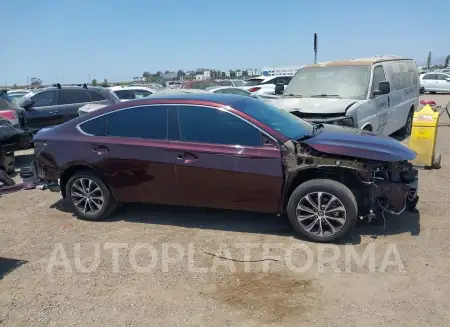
{"type": "Point", "coordinates": [253, 82]}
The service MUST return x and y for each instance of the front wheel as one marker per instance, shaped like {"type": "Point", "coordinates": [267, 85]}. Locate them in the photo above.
{"type": "Point", "coordinates": [322, 210]}
{"type": "Point", "coordinates": [89, 197]}
{"type": "Point", "coordinates": [405, 131]}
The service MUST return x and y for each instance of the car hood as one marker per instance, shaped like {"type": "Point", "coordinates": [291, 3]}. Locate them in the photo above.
{"type": "Point", "coordinates": [313, 105]}
{"type": "Point", "coordinates": [352, 142]}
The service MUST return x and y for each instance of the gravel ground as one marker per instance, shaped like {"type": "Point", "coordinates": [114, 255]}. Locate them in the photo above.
{"type": "Point", "coordinates": [49, 253]}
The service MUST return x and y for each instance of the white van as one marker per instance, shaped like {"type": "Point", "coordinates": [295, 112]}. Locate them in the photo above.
{"type": "Point", "coordinates": [378, 94]}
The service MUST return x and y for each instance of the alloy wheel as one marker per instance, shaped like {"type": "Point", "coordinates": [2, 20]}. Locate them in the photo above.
{"type": "Point", "coordinates": [87, 196]}
{"type": "Point", "coordinates": [321, 214]}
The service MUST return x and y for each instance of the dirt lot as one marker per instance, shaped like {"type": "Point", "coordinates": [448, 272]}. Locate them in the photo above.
{"type": "Point", "coordinates": [37, 231]}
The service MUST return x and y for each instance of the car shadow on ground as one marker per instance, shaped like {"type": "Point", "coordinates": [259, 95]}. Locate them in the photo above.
{"type": "Point", "coordinates": [7, 265]}
{"type": "Point", "coordinates": [248, 222]}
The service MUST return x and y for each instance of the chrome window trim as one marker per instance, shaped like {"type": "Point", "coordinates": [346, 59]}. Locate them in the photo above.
{"type": "Point", "coordinates": [78, 126]}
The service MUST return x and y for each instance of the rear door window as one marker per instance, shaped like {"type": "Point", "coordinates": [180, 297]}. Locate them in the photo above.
{"type": "Point", "coordinates": [442, 77]}
{"type": "Point", "coordinates": [430, 76]}
{"type": "Point", "coordinates": [207, 125]}
{"type": "Point", "coordinates": [148, 122]}
{"type": "Point", "coordinates": [74, 96]}
{"type": "Point", "coordinates": [125, 94]}
{"type": "Point", "coordinates": [141, 94]}
{"type": "Point", "coordinates": [95, 96]}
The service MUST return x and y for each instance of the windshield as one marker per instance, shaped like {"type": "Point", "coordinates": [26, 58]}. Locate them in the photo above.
{"type": "Point", "coordinates": [347, 82]}
{"type": "Point", "coordinates": [253, 82]}
{"type": "Point", "coordinates": [278, 119]}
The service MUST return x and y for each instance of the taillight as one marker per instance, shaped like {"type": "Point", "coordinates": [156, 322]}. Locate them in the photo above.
{"type": "Point", "coordinates": [10, 115]}
{"type": "Point", "coordinates": [254, 89]}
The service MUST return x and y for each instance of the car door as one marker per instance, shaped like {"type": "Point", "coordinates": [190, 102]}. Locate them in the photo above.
{"type": "Point", "coordinates": [45, 110]}
{"type": "Point", "coordinates": [381, 103]}
{"type": "Point", "coordinates": [131, 152]}
{"type": "Point", "coordinates": [70, 101]}
{"type": "Point", "coordinates": [429, 82]}
{"type": "Point", "coordinates": [225, 162]}
{"type": "Point", "coordinates": [443, 83]}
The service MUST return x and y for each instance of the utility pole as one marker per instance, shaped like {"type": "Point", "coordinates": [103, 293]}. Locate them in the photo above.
{"type": "Point", "coordinates": [315, 48]}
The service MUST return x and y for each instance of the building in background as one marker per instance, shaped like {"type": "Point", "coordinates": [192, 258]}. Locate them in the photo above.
{"type": "Point", "coordinates": [273, 71]}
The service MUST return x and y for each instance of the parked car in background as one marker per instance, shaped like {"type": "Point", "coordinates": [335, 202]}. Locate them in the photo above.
{"type": "Point", "coordinates": [200, 84]}
{"type": "Point", "coordinates": [226, 152]}
{"type": "Point", "coordinates": [11, 111]}
{"type": "Point", "coordinates": [265, 84]}
{"type": "Point", "coordinates": [174, 84]}
{"type": "Point", "coordinates": [12, 138]}
{"type": "Point", "coordinates": [378, 94]}
{"type": "Point", "coordinates": [125, 93]}
{"type": "Point", "coordinates": [434, 82]}
{"type": "Point", "coordinates": [232, 82]}
{"type": "Point", "coordinates": [55, 105]}
{"type": "Point", "coordinates": [16, 94]}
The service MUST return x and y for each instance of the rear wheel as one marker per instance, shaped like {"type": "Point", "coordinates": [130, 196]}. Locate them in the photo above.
{"type": "Point", "coordinates": [322, 210]}
{"type": "Point", "coordinates": [89, 196]}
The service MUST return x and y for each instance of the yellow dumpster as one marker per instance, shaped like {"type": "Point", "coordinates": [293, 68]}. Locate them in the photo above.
{"type": "Point", "coordinates": [423, 137]}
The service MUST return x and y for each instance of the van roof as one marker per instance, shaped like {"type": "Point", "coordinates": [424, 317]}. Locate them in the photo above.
{"type": "Point", "coordinates": [358, 61]}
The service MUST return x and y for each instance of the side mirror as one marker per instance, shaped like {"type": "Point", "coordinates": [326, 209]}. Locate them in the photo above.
{"type": "Point", "coordinates": [383, 88]}
{"type": "Point", "coordinates": [279, 88]}
{"type": "Point", "coordinates": [27, 104]}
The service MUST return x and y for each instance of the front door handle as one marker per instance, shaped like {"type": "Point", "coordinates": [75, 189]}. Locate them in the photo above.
{"type": "Point", "coordinates": [100, 149]}
{"type": "Point", "coordinates": [187, 157]}
{"type": "Point", "coordinates": [54, 112]}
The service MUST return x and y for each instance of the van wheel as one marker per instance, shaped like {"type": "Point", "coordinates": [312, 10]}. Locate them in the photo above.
{"type": "Point", "coordinates": [89, 197]}
{"type": "Point", "coordinates": [405, 131]}
{"type": "Point", "coordinates": [322, 210]}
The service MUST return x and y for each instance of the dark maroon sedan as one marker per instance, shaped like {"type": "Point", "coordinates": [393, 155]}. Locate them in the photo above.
{"type": "Point", "coordinates": [228, 152]}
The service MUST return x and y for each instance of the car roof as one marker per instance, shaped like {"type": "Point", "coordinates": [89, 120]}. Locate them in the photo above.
{"type": "Point", "coordinates": [49, 88]}
{"type": "Point", "coordinates": [358, 61]}
{"type": "Point", "coordinates": [193, 98]}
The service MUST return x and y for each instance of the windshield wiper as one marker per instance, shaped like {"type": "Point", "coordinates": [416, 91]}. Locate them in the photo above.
{"type": "Point", "coordinates": [324, 95]}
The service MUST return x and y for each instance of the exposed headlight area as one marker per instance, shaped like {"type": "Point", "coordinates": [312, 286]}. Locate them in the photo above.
{"type": "Point", "coordinates": [334, 119]}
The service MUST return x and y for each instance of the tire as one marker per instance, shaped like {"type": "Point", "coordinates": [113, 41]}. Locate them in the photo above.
{"type": "Point", "coordinates": [405, 131]}
{"type": "Point", "coordinates": [436, 161]}
{"type": "Point", "coordinates": [328, 188]}
{"type": "Point", "coordinates": [422, 90]}
{"type": "Point", "coordinates": [109, 204]}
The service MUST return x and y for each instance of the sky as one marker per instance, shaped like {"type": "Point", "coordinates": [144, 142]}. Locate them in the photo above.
{"type": "Point", "coordinates": [72, 41]}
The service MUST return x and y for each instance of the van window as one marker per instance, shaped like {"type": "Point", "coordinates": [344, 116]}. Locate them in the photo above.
{"type": "Point", "coordinates": [402, 74]}
{"type": "Point", "coordinates": [347, 82]}
{"type": "Point", "coordinates": [378, 76]}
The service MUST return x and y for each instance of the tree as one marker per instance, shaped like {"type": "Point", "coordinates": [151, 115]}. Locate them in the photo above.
{"type": "Point", "coordinates": [167, 72]}
{"type": "Point", "coordinates": [159, 73]}
{"type": "Point", "coordinates": [429, 60]}
{"type": "Point", "coordinates": [15, 86]}
{"type": "Point", "coordinates": [94, 82]}
{"type": "Point", "coordinates": [105, 83]}
{"type": "Point", "coordinates": [181, 74]}
{"type": "Point", "coordinates": [447, 61]}
{"type": "Point", "coordinates": [146, 76]}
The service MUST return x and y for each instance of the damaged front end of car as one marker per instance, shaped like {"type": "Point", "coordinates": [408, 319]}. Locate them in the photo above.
{"type": "Point", "coordinates": [379, 187]}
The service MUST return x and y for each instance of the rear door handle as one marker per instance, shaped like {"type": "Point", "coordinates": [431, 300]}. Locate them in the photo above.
{"type": "Point", "coordinates": [54, 112]}
{"type": "Point", "coordinates": [100, 149]}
